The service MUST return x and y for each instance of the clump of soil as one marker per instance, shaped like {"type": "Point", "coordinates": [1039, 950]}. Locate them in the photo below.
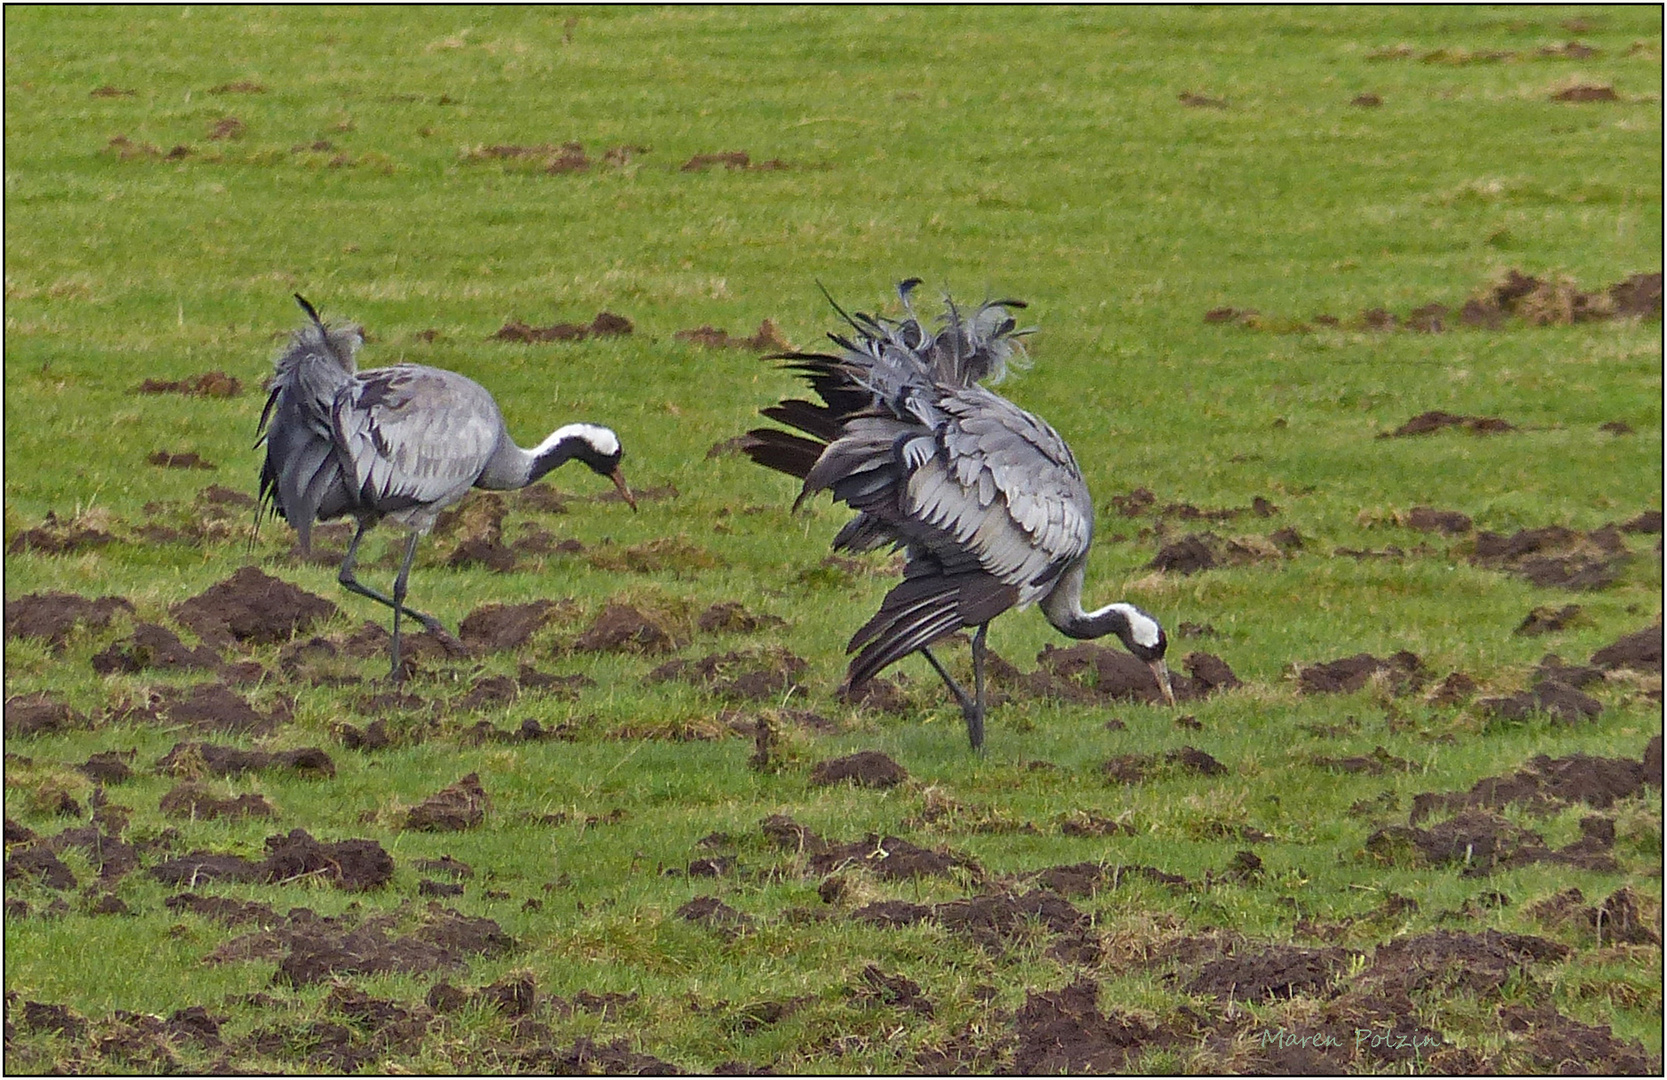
{"type": "Point", "coordinates": [766, 338]}
{"type": "Point", "coordinates": [215, 384]}
{"type": "Point", "coordinates": [224, 909]}
{"type": "Point", "coordinates": [107, 767]}
{"type": "Point", "coordinates": [746, 675]}
{"type": "Point", "coordinates": [351, 865]}
{"type": "Point", "coordinates": [891, 991]}
{"type": "Point", "coordinates": [1138, 768]}
{"type": "Point", "coordinates": [1429, 519]}
{"type": "Point", "coordinates": [153, 646]}
{"type": "Point", "coordinates": [1436, 420]}
{"type": "Point", "coordinates": [253, 608]}
{"type": "Point", "coordinates": [40, 713]}
{"type": "Point", "coordinates": [1403, 670]}
{"type": "Point", "coordinates": [1481, 842]}
{"type": "Point", "coordinates": [189, 459]}
{"type": "Point", "coordinates": [52, 616]}
{"type": "Point", "coordinates": [732, 160]}
{"type": "Point", "coordinates": [54, 537]}
{"type": "Point", "coordinates": [191, 759]}
{"type": "Point", "coordinates": [1063, 1031]}
{"type": "Point", "coordinates": [1555, 698]}
{"type": "Point", "coordinates": [498, 627]}
{"type": "Point", "coordinates": [890, 858]}
{"type": "Point", "coordinates": [866, 768]}
{"type": "Point", "coordinates": [1280, 971]}
{"type": "Point", "coordinates": [1547, 620]}
{"type": "Point", "coordinates": [606, 324]}
{"type": "Point", "coordinates": [1554, 556]}
{"type": "Point", "coordinates": [205, 707]}
{"type": "Point", "coordinates": [1091, 673]}
{"type": "Point", "coordinates": [1637, 651]}
{"type": "Point", "coordinates": [461, 806]}
{"type": "Point", "coordinates": [715, 915]}
{"type": "Point", "coordinates": [1617, 920]}
{"type": "Point", "coordinates": [1378, 762]}
{"type": "Point", "coordinates": [729, 617]}
{"type": "Point", "coordinates": [674, 553]}
{"type": "Point", "coordinates": [622, 628]}
{"type": "Point", "coordinates": [195, 801]}
{"type": "Point", "coordinates": [1547, 784]}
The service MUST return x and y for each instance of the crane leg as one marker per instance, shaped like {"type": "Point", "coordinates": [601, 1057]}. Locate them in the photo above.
{"type": "Point", "coordinates": [975, 719]}
{"type": "Point", "coordinates": [353, 585]}
{"type": "Point", "coordinates": [397, 674]}
{"type": "Point", "coordinates": [972, 710]}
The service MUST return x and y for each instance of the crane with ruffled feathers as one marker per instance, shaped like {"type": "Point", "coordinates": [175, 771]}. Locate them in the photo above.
{"type": "Point", "coordinates": [985, 499]}
{"type": "Point", "coordinates": [402, 442]}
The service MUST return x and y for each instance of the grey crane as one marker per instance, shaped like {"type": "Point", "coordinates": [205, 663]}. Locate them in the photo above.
{"type": "Point", "coordinates": [402, 442]}
{"type": "Point", "coordinates": [985, 498]}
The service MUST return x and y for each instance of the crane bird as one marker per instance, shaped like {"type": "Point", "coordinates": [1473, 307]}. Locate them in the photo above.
{"type": "Point", "coordinates": [402, 442]}
{"type": "Point", "coordinates": [985, 498]}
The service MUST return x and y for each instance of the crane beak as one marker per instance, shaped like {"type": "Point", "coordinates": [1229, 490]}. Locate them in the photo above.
{"type": "Point", "coordinates": [1161, 671]}
{"type": "Point", "coordinates": [624, 492]}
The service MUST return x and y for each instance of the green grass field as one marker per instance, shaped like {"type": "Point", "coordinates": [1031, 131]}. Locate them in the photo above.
{"type": "Point", "coordinates": [175, 174]}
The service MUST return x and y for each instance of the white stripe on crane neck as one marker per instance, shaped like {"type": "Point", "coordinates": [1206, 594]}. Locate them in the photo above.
{"type": "Point", "coordinates": [603, 441]}
{"type": "Point", "coordinates": [1143, 629]}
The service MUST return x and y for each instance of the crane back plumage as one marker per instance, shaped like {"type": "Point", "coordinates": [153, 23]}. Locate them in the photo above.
{"type": "Point", "coordinates": [985, 498]}
{"type": "Point", "coordinates": [403, 441]}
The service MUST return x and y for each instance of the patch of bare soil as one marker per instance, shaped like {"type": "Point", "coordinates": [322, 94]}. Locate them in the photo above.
{"type": "Point", "coordinates": [1584, 92]}
{"type": "Point", "coordinates": [205, 707]}
{"type": "Point", "coordinates": [54, 537]}
{"type": "Point", "coordinates": [497, 627]}
{"type": "Point", "coordinates": [461, 806]}
{"type": "Point", "coordinates": [1092, 673]}
{"type": "Point", "coordinates": [674, 553]}
{"type": "Point", "coordinates": [194, 759]}
{"type": "Point", "coordinates": [606, 324]}
{"type": "Point", "coordinates": [880, 694]}
{"type": "Point", "coordinates": [891, 858]}
{"type": "Point", "coordinates": [732, 160]}
{"type": "Point", "coordinates": [1378, 762]}
{"type": "Point", "coordinates": [751, 674]}
{"type": "Point", "coordinates": [52, 616]}
{"type": "Point", "coordinates": [1436, 420]}
{"type": "Point", "coordinates": [1552, 697]}
{"type": "Point", "coordinates": [40, 713]}
{"type": "Point", "coordinates": [1637, 651]}
{"type": "Point", "coordinates": [196, 801]}
{"type": "Point", "coordinates": [561, 686]}
{"type": "Point", "coordinates": [1554, 556]}
{"type": "Point", "coordinates": [1063, 1031]}
{"type": "Point", "coordinates": [109, 855]}
{"type": "Point", "coordinates": [215, 384]}
{"type": "Point", "coordinates": [1138, 768]}
{"type": "Point", "coordinates": [1200, 101]}
{"type": "Point", "coordinates": [875, 987]}
{"type": "Point", "coordinates": [729, 617]}
{"type": "Point", "coordinates": [1547, 620]}
{"type": "Point", "coordinates": [1280, 971]}
{"type": "Point", "coordinates": [1481, 842]}
{"type": "Point", "coordinates": [253, 608]}
{"type": "Point", "coordinates": [224, 909]}
{"type": "Point", "coordinates": [715, 915]}
{"type": "Point", "coordinates": [866, 768]}
{"type": "Point", "coordinates": [108, 767]}
{"type": "Point", "coordinates": [1557, 1043]}
{"type": "Point", "coordinates": [189, 459]}
{"type": "Point", "coordinates": [1617, 920]}
{"type": "Point", "coordinates": [351, 865]}
{"type": "Point", "coordinates": [153, 646]}
{"type": "Point", "coordinates": [1429, 519]}
{"type": "Point", "coordinates": [622, 628]}
{"type": "Point", "coordinates": [1404, 672]}
{"type": "Point", "coordinates": [1547, 784]}
{"type": "Point", "coordinates": [766, 338]}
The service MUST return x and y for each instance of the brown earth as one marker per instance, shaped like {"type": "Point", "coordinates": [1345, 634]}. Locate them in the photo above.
{"type": "Point", "coordinates": [1546, 620]}
{"type": "Point", "coordinates": [1637, 651]}
{"type": "Point", "coordinates": [622, 628]}
{"type": "Point", "coordinates": [866, 768]}
{"type": "Point", "coordinates": [1138, 768]}
{"type": "Point", "coordinates": [729, 617]}
{"type": "Point", "coordinates": [1480, 842]}
{"type": "Point", "coordinates": [153, 646]}
{"type": "Point", "coordinates": [40, 713]}
{"type": "Point", "coordinates": [189, 459]}
{"type": "Point", "coordinates": [1435, 420]}
{"type": "Point", "coordinates": [54, 537]}
{"type": "Point", "coordinates": [195, 801]}
{"type": "Point", "coordinates": [253, 608]}
{"type": "Point", "coordinates": [753, 674]}
{"type": "Point", "coordinates": [351, 865]}
{"type": "Point", "coordinates": [53, 616]}
{"type": "Point", "coordinates": [194, 759]}
{"type": "Point", "coordinates": [496, 627]}
{"type": "Point", "coordinates": [461, 806]}
{"type": "Point", "coordinates": [1547, 784]}
{"type": "Point", "coordinates": [1404, 672]}
{"type": "Point", "coordinates": [215, 384]}
{"type": "Point", "coordinates": [205, 707]}
{"type": "Point", "coordinates": [766, 338]}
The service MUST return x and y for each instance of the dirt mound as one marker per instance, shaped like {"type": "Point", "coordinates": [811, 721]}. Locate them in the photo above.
{"type": "Point", "coordinates": [765, 339]}
{"type": "Point", "coordinates": [891, 859]}
{"type": "Point", "coordinates": [866, 768]}
{"type": "Point", "coordinates": [1547, 784]}
{"type": "Point", "coordinates": [751, 674]}
{"type": "Point", "coordinates": [215, 384]}
{"type": "Point", "coordinates": [1429, 519]}
{"type": "Point", "coordinates": [1555, 1042]}
{"type": "Point", "coordinates": [506, 626]}
{"type": "Point", "coordinates": [622, 628]}
{"type": "Point", "coordinates": [40, 713]}
{"type": "Point", "coordinates": [714, 914]}
{"type": "Point", "coordinates": [891, 991]}
{"type": "Point", "coordinates": [1619, 919]}
{"type": "Point", "coordinates": [1138, 768]}
{"type": "Point", "coordinates": [606, 323]}
{"type": "Point", "coordinates": [1481, 842]}
{"type": "Point", "coordinates": [729, 617]}
{"type": "Point", "coordinates": [1546, 620]}
{"type": "Point", "coordinates": [205, 707]}
{"type": "Point", "coordinates": [1554, 556]}
{"type": "Point", "coordinates": [310, 948]}
{"type": "Point", "coordinates": [1639, 651]}
{"type": "Point", "coordinates": [253, 608]}
{"type": "Point", "coordinates": [1280, 971]}
{"type": "Point", "coordinates": [1096, 674]}
{"type": "Point", "coordinates": [1436, 420]}
{"type": "Point", "coordinates": [1404, 671]}
{"type": "Point", "coordinates": [195, 801]}
{"type": "Point", "coordinates": [190, 759]}
{"type": "Point", "coordinates": [1551, 696]}
{"type": "Point", "coordinates": [52, 616]}
{"type": "Point", "coordinates": [108, 767]}
{"type": "Point", "coordinates": [461, 806]}
{"type": "Point", "coordinates": [1063, 1031]}
{"type": "Point", "coordinates": [153, 646]}
{"type": "Point", "coordinates": [351, 865]}
{"type": "Point", "coordinates": [224, 909]}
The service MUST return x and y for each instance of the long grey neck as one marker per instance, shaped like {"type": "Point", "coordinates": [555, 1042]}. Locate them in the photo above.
{"type": "Point", "coordinates": [512, 467]}
{"type": "Point", "coordinates": [1063, 608]}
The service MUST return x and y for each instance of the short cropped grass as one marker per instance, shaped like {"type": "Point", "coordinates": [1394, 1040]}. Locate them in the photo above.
{"type": "Point", "coordinates": [1046, 154]}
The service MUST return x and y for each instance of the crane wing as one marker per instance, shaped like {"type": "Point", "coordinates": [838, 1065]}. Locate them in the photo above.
{"type": "Point", "coordinates": [411, 436]}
